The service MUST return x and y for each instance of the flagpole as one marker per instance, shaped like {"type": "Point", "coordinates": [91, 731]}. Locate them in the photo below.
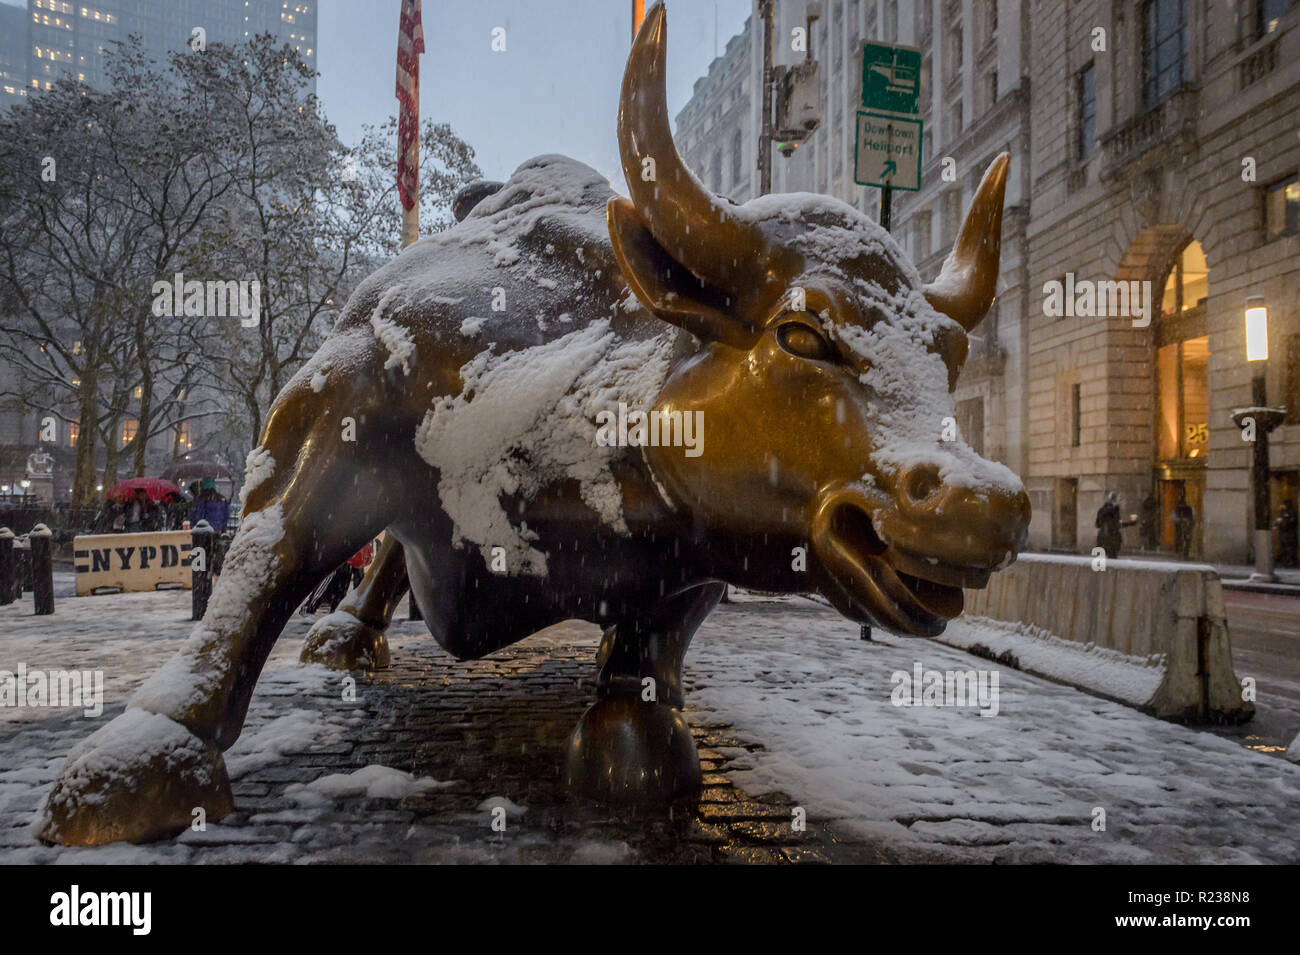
{"type": "Point", "coordinates": [411, 216]}
{"type": "Point", "coordinates": [410, 44]}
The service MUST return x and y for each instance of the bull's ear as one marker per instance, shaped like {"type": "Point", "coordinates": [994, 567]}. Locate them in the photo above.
{"type": "Point", "coordinates": [665, 286]}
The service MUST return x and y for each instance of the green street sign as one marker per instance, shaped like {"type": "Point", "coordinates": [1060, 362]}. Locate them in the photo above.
{"type": "Point", "coordinates": [888, 152]}
{"type": "Point", "coordinates": [891, 79]}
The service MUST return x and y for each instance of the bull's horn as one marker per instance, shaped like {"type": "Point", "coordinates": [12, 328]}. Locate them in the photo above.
{"type": "Point", "coordinates": [968, 281]}
{"type": "Point", "coordinates": [696, 227]}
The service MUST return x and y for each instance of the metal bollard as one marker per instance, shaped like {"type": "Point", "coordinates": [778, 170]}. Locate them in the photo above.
{"type": "Point", "coordinates": [203, 540]}
{"type": "Point", "coordinates": [41, 540]}
{"type": "Point", "coordinates": [8, 567]}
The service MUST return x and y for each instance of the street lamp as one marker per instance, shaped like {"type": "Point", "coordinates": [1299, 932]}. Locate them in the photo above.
{"type": "Point", "coordinates": [1264, 419]}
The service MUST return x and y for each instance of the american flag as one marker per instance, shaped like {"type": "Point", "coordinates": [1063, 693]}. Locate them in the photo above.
{"type": "Point", "coordinates": [410, 44]}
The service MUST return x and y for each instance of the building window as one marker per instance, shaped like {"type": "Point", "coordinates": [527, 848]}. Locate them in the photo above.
{"type": "Point", "coordinates": [184, 440]}
{"type": "Point", "coordinates": [1087, 100]}
{"type": "Point", "coordinates": [993, 87]}
{"type": "Point", "coordinates": [1188, 284]}
{"type": "Point", "coordinates": [715, 171]}
{"type": "Point", "coordinates": [970, 422]}
{"type": "Point", "coordinates": [737, 159]}
{"type": "Point", "coordinates": [1268, 13]}
{"type": "Point", "coordinates": [1282, 208]}
{"type": "Point", "coordinates": [923, 236]}
{"type": "Point", "coordinates": [1183, 361]}
{"type": "Point", "coordinates": [951, 214]}
{"type": "Point", "coordinates": [129, 428]}
{"type": "Point", "coordinates": [1293, 379]}
{"type": "Point", "coordinates": [1076, 415]}
{"type": "Point", "coordinates": [1164, 48]}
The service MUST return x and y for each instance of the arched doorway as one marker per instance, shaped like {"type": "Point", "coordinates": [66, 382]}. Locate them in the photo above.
{"type": "Point", "coordinates": [1182, 403]}
{"type": "Point", "coordinates": [1178, 350]}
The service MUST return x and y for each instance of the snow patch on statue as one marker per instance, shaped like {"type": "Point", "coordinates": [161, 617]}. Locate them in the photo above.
{"type": "Point", "coordinates": [395, 338]}
{"type": "Point", "coordinates": [115, 754]}
{"type": "Point", "coordinates": [192, 675]}
{"type": "Point", "coordinates": [525, 419]}
{"type": "Point", "coordinates": [258, 467]}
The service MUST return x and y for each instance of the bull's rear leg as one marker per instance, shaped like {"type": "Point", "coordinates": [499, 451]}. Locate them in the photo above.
{"type": "Point", "coordinates": [352, 638]}
{"type": "Point", "coordinates": [633, 745]}
{"type": "Point", "coordinates": [313, 502]}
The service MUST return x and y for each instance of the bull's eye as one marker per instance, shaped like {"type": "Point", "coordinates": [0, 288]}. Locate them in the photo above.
{"type": "Point", "coordinates": [799, 339]}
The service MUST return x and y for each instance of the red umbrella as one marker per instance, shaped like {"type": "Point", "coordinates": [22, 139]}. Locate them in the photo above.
{"type": "Point", "coordinates": [156, 488]}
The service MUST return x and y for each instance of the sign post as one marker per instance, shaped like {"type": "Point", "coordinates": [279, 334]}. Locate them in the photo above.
{"type": "Point", "coordinates": [887, 154]}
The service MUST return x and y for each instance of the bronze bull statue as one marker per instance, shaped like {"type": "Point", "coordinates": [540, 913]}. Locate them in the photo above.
{"type": "Point", "coordinates": [575, 405]}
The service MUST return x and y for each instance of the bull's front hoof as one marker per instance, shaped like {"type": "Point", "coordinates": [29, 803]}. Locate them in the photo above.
{"type": "Point", "coordinates": [625, 750]}
{"type": "Point", "coordinates": [138, 779]}
{"type": "Point", "coordinates": [342, 642]}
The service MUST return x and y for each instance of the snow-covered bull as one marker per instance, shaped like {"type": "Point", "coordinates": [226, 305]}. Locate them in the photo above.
{"type": "Point", "coordinates": [458, 404]}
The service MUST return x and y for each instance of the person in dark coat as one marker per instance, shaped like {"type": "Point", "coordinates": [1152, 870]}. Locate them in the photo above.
{"type": "Point", "coordinates": [178, 510]}
{"type": "Point", "coordinates": [1108, 526]}
{"type": "Point", "coordinates": [1287, 526]}
{"type": "Point", "coordinates": [1184, 519]}
{"type": "Point", "coordinates": [1149, 524]}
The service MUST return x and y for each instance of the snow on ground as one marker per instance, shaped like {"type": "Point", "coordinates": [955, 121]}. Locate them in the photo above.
{"type": "Point", "coordinates": [789, 674]}
{"type": "Point", "coordinates": [1018, 787]}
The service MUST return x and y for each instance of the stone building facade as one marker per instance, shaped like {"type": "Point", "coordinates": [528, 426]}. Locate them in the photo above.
{"type": "Point", "coordinates": [716, 130]}
{"type": "Point", "coordinates": [1165, 145]}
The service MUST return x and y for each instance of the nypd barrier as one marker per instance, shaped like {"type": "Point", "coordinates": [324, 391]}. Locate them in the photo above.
{"type": "Point", "coordinates": [132, 561]}
{"type": "Point", "coordinates": [1167, 614]}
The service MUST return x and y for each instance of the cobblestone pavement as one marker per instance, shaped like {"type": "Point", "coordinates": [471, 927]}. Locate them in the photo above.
{"type": "Point", "coordinates": [495, 727]}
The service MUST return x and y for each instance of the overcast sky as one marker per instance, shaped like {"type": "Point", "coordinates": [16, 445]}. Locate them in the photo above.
{"type": "Point", "coordinates": [553, 90]}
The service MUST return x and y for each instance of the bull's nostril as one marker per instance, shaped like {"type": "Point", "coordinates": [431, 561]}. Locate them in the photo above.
{"type": "Point", "coordinates": [920, 483]}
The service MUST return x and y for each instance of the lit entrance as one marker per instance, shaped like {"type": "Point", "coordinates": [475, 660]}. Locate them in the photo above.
{"type": "Point", "coordinates": [1182, 444]}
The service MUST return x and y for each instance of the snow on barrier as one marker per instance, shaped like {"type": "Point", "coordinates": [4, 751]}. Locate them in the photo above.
{"type": "Point", "coordinates": [1150, 634]}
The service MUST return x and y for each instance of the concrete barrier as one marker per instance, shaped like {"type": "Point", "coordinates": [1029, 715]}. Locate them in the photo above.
{"type": "Point", "coordinates": [1151, 614]}
{"type": "Point", "coordinates": [132, 561]}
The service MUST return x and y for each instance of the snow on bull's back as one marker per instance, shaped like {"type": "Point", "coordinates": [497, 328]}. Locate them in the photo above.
{"type": "Point", "coordinates": [525, 419]}
{"type": "Point", "coordinates": [548, 218]}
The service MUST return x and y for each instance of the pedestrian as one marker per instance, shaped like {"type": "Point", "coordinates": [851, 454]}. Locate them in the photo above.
{"type": "Point", "coordinates": [1288, 523]}
{"type": "Point", "coordinates": [335, 587]}
{"type": "Point", "coordinates": [138, 512]}
{"type": "Point", "coordinates": [178, 510]}
{"type": "Point", "coordinates": [1184, 519]}
{"type": "Point", "coordinates": [109, 514]}
{"type": "Point", "coordinates": [1149, 524]}
{"type": "Point", "coordinates": [1109, 524]}
{"type": "Point", "coordinates": [210, 506]}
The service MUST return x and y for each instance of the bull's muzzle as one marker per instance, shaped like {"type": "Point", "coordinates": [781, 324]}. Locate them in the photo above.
{"type": "Point", "coordinates": [900, 558]}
